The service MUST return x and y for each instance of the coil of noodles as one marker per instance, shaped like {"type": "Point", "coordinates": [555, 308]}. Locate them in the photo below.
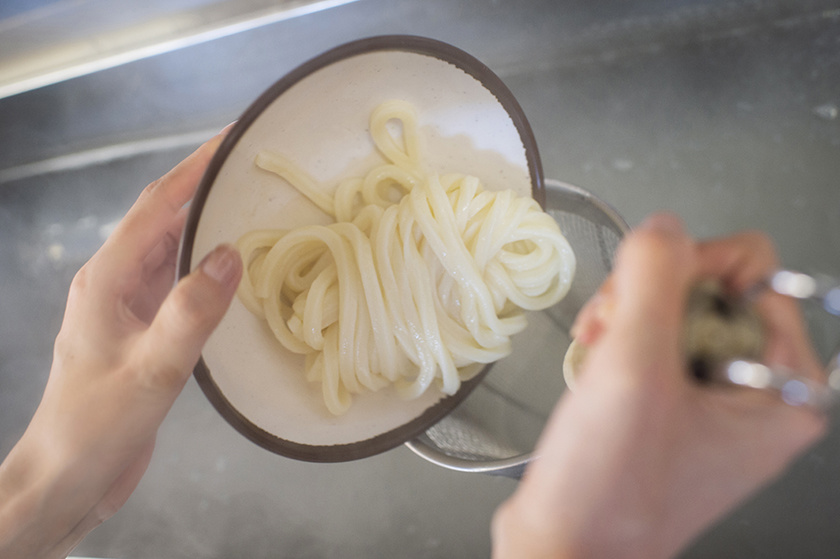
{"type": "Point", "coordinates": [420, 277]}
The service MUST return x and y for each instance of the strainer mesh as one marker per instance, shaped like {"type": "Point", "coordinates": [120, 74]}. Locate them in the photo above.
{"type": "Point", "coordinates": [504, 415]}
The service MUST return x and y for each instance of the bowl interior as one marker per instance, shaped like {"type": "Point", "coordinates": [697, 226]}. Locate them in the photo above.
{"type": "Point", "coordinates": [317, 116]}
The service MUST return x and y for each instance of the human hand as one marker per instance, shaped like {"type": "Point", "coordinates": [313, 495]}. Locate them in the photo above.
{"type": "Point", "coordinates": [640, 458]}
{"type": "Point", "coordinates": [126, 347]}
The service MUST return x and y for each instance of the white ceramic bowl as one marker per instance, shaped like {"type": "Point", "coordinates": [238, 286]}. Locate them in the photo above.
{"type": "Point", "coordinates": [317, 115]}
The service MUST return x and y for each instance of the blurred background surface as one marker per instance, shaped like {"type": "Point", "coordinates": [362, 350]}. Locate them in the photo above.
{"type": "Point", "coordinates": [724, 111]}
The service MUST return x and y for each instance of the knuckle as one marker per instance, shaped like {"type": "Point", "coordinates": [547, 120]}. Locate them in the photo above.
{"type": "Point", "coordinates": [158, 191]}
{"type": "Point", "coordinates": [190, 308]}
{"type": "Point", "coordinates": [195, 307]}
{"type": "Point", "coordinates": [63, 347]}
{"type": "Point", "coordinates": [152, 187]}
{"type": "Point", "coordinates": [66, 340]}
{"type": "Point", "coordinates": [164, 377]}
{"type": "Point", "coordinates": [757, 237]}
{"type": "Point", "coordinates": [104, 510]}
{"type": "Point", "coordinates": [80, 281]}
{"type": "Point", "coordinates": [155, 370]}
{"type": "Point", "coordinates": [91, 280]}
{"type": "Point", "coordinates": [760, 242]}
{"type": "Point", "coordinates": [655, 246]}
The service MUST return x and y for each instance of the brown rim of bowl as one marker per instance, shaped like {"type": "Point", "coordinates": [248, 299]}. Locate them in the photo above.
{"type": "Point", "coordinates": [407, 43]}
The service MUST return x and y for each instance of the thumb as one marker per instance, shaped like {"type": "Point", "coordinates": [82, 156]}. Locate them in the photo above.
{"type": "Point", "coordinates": [655, 267]}
{"type": "Point", "coordinates": [187, 317]}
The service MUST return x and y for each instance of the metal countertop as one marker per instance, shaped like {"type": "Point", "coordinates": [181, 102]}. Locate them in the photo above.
{"type": "Point", "coordinates": [727, 112]}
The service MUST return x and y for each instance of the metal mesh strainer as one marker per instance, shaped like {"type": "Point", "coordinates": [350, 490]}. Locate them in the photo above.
{"type": "Point", "coordinates": [496, 428]}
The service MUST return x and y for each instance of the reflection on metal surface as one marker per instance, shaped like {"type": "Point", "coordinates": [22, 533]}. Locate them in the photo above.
{"type": "Point", "coordinates": [71, 38]}
{"type": "Point", "coordinates": [829, 111]}
{"type": "Point", "coordinates": [724, 132]}
{"type": "Point", "coordinates": [822, 288]}
{"type": "Point", "coordinates": [96, 156]}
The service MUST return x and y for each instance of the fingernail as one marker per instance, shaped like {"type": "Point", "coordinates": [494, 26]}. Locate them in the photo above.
{"type": "Point", "coordinates": [222, 264]}
{"type": "Point", "coordinates": [226, 129]}
{"type": "Point", "coordinates": [664, 222]}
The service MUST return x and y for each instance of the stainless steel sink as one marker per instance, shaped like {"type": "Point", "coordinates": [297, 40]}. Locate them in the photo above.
{"type": "Point", "coordinates": [725, 111]}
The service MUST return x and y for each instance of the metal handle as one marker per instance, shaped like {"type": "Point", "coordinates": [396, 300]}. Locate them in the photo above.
{"type": "Point", "coordinates": [823, 289]}
{"type": "Point", "coordinates": [792, 388]}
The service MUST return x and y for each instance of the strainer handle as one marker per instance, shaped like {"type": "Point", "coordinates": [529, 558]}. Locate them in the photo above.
{"type": "Point", "coordinates": [794, 389]}
{"type": "Point", "coordinates": [821, 288]}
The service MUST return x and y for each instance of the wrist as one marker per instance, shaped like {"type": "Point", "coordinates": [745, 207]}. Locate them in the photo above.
{"type": "Point", "coordinates": [37, 518]}
{"type": "Point", "coordinates": [524, 527]}
{"type": "Point", "coordinates": [515, 537]}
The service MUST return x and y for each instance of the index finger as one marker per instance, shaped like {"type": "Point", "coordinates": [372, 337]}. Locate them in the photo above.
{"type": "Point", "coordinates": [653, 272]}
{"type": "Point", "coordinates": [740, 261]}
{"type": "Point", "coordinates": [157, 207]}
{"type": "Point", "coordinates": [654, 268]}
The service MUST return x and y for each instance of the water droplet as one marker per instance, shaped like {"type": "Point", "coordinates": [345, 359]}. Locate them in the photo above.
{"type": "Point", "coordinates": [623, 164]}
{"type": "Point", "coordinates": [55, 252]}
{"type": "Point", "coordinates": [829, 111]}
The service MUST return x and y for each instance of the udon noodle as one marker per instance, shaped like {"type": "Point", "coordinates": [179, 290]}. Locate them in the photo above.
{"type": "Point", "coordinates": [419, 278]}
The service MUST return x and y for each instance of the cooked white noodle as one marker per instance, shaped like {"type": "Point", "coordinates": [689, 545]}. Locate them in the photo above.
{"type": "Point", "coordinates": [405, 292]}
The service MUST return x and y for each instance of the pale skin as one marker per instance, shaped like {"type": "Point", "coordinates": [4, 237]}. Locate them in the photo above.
{"type": "Point", "coordinates": [635, 463]}
{"type": "Point", "coordinates": [126, 347]}
{"type": "Point", "coordinates": [640, 458]}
